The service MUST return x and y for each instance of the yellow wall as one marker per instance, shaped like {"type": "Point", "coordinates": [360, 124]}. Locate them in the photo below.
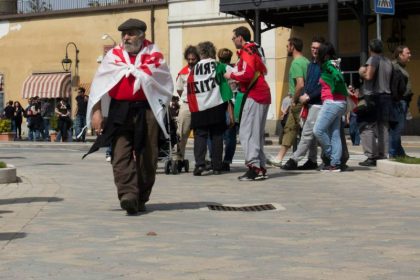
{"type": "Point", "coordinates": [219, 35]}
{"type": "Point", "coordinates": [40, 44]}
{"type": "Point", "coordinates": [413, 42]}
{"type": "Point", "coordinates": [282, 66]}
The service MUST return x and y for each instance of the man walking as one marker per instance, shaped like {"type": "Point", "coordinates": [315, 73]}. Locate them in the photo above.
{"type": "Point", "coordinates": [402, 56]}
{"type": "Point", "coordinates": [297, 77]}
{"type": "Point", "coordinates": [311, 99]}
{"type": "Point", "coordinates": [132, 87]}
{"type": "Point", "coordinates": [374, 125]}
{"type": "Point", "coordinates": [249, 72]}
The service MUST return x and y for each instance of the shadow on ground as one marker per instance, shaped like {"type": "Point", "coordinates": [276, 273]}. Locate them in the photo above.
{"type": "Point", "coordinates": [29, 200]}
{"type": "Point", "coordinates": [56, 163]}
{"type": "Point", "coordinates": [11, 235]}
{"type": "Point", "coordinates": [175, 206]}
{"type": "Point", "coordinates": [12, 157]}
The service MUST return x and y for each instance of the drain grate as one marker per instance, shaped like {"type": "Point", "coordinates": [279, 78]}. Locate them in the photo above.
{"type": "Point", "coordinates": [252, 208]}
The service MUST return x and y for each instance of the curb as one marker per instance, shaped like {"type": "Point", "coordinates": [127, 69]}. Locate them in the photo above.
{"type": "Point", "coordinates": [398, 169]}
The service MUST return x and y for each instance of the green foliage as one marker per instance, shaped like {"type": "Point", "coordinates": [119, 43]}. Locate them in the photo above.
{"type": "Point", "coordinates": [3, 164]}
{"type": "Point", "coordinates": [39, 6]}
{"type": "Point", "coordinates": [408, 160]}
{"type": "Point", "coordinates": [5, 125]}
{"type": "Point", "coordinates": [54, 123]}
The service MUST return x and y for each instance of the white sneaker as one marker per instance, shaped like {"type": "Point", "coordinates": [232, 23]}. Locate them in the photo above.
{"type": "Point", "coordinates": [273, 161]}
{"type": "Point", "coordinates": [108, 158]}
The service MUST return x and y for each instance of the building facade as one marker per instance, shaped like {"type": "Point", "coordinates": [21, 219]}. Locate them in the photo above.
{"type": "Point", "coordinates": [36, 43]}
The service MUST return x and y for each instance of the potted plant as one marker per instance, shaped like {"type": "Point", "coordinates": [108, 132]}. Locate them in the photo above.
{"type": "Point", "coordinates": [6, 133]}
{"type": "Point", "coordinates": [54, 126]}
{"type": "Point", "coordinates": [7, 173]}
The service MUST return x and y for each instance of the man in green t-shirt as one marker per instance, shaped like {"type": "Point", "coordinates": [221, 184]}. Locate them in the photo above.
{"type": "Point", "coordinates": [297, 76]}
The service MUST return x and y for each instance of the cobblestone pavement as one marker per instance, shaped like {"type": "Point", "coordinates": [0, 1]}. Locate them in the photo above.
{"type": "Point", "coordinates": [62, 221]}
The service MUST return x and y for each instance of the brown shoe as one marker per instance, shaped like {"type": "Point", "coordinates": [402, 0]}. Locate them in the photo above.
{"type": "Point", "coordinates": [129, 203]}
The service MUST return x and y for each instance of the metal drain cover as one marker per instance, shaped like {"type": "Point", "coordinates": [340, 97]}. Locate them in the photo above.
{"type": "Point", "coordinates": [251, 208]}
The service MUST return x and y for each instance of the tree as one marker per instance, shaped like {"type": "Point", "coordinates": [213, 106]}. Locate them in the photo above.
{"type": "Point", "coordinates": [37, 6]}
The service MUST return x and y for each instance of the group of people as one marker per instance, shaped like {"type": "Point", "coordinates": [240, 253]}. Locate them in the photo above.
{"type": "Point", "coordinates": [37, 115]}
{"type": "Point", "coordinates": [321, 100]}
{"type": "Point", "coordinates": [14, 112]}
{"type": "Point", "coordinates": [209, 91]}
{"type": "Point", "coordinates": [40, 111]}
{"type": "Point", "coordinates": [132, 90]}
{"type": "Point", "coordinates": [318, 101]}
{"type": "Point", "coordinates": [387, 94]}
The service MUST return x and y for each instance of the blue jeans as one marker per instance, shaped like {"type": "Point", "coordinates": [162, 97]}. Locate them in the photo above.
{"type": "Point", "coordinates": [354, 130]}
{"type": "Point", "coordinates": [327, 129]}
{"type": "Point", "coordinates": [229, 137]}
{"type": "Point", "coordinates": [46, 130]}
{"type": "Point", "coordinates": [395, 147]}
{"type": "Point", "coordinates": [108, 151]}
{"type": "Point", "coordinates": [13, 125]}
{"type": "Point", "coordinates": [34, 135]}
{"type": "Point", "coordinates": [69, 136]}
{"type": "Point", "coordinates": [79, 125]}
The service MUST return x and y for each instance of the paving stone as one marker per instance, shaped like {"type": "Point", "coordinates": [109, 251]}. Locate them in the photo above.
{"type": "Point", "coordinates": [63, 221]}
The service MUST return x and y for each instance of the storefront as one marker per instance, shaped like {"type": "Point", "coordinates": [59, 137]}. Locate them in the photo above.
{"type": "Point", "coordinates": [47, 85]}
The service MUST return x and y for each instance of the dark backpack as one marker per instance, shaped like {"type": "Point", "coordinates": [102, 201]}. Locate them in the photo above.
{"type": "Point", "coordinates": [398, 84]}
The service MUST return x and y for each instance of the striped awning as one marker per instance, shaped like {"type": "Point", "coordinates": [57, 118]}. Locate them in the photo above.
{"type": "Point", "coordinates": [47, 85]}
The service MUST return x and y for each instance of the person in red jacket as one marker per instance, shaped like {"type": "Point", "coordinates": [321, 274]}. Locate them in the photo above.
{"type": "Point", "coordinates": [249, 73]}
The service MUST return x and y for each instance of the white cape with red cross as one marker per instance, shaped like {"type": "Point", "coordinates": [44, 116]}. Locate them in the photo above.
{"type": "Point", "coordinates": [151, 74]}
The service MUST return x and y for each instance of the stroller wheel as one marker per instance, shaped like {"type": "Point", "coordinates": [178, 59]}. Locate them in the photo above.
{"type": "Point", "coordinates": [186, 165]}
{"type": "Point", "coordinates": [168, 164]}
{"type": "Point", "coordinates": [174, 167]}
{"type": "Point", "coordinates": [180, 165]}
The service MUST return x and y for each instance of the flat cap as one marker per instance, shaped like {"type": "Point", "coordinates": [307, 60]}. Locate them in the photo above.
{"type": "Point", "coordinates": [131, 24]}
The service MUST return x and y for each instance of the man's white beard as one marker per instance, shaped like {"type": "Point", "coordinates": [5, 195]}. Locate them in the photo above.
{"type": "Point", "coordinates": [132, 47]}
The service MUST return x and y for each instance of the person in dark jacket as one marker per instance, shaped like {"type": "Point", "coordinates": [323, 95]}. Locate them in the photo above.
{"type": "Point", "coordinates": [9, 112]}
{"type": "Point", "coordinates": [82, 101]}
{"type": "Point", "coordinates": [18, 120]}
{"type": "Point", "coordinates": [210, 122]}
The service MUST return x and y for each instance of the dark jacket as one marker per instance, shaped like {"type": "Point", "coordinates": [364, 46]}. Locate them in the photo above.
{"type": "Point", "coordinates": [211, 117]}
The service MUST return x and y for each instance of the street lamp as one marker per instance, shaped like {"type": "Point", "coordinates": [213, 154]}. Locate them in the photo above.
{"type": "Point", "coordinates": [107, 36]}
{"type": "Point", "coordinates": [66, 62]}
{"type": "Point", "coordinates": [106, 47]}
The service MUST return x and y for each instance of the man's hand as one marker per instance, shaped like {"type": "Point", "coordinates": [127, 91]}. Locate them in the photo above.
{"type": "Point", "coordinates": [227, 75]}
{"type": "Point", "coordinates": [304, 98]}
{"type": "Point", "coordinates": [97, 121]}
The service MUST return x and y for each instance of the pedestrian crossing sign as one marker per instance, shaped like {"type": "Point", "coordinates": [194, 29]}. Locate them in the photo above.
{"type": "Point", "coordinates": [385, 7]}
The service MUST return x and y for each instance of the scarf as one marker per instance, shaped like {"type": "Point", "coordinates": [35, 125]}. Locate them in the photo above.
{"type": "Point", "coordinates": [332, 76]}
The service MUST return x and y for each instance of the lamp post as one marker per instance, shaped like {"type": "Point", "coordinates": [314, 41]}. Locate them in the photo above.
{"type": "Point", "coordinates": [106, 47]}
{"type": "Point", "coordinates": [67, 62]}
{"type": "Point", "coordinates": [107, 36]}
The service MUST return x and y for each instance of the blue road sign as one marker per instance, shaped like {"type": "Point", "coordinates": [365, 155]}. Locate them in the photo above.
{"type": "Point", "coordinates": [385, 7]}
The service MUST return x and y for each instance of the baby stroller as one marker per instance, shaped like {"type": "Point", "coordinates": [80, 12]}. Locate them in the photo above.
{"type": "Point", "coordinates": [166, 145]}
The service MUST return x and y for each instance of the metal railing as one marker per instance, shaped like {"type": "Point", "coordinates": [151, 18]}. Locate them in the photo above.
{"type": "Point", "coordinates": [39, 6]}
